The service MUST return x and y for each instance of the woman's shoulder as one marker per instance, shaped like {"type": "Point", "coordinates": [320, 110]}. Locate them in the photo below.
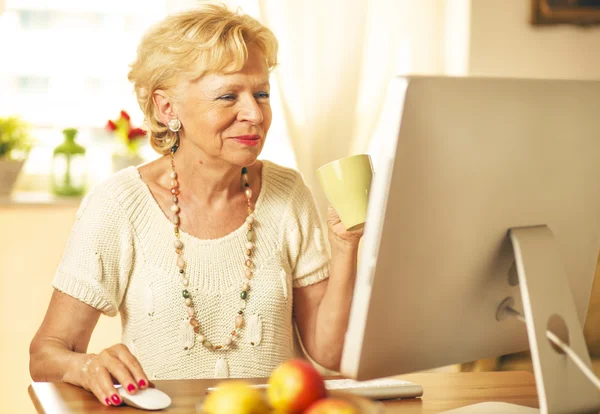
{"type": "Point", "coordinates": [279, 178]}
{"type": "Point", "coordinates": [285, 186]}
{"type": "Point", "coordinates": [121, 189]}
{"type": "Point", "coordinates": [117, 182]}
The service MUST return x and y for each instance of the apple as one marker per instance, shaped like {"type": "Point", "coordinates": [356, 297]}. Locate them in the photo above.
{"type": "Point", "coordinates": [235, 397]}
{"type": "Point", "coordinates": [331, 406]}
{"type": "Point", "coordinates": [294, 386]}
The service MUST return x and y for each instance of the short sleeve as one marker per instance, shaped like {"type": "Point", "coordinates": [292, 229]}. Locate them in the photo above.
{"type": "Point", "coordinates": [98, 257]}
{"type": "Point", "coordinates": [304, 241]}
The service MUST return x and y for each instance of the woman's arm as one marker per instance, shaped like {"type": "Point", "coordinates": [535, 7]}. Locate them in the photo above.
{"type": "Point", "coordinates": [58, 352]}
{"type": "Point", "coordinates": [62, 340]}
{"type": "Point", "coordinates": [322, 310]}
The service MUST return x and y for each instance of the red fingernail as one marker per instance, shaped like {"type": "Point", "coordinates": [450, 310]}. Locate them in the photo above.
{"type": "Point", "coordinates": [142, 383]}
{"type": "Point", "coordinates": [107, 401]}
{"type": "Point", "coordinates": [131, 388]}
{"type": "Point", "coordinates": [116, 399]}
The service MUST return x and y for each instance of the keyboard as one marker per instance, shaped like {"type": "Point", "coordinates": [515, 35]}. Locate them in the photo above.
{"type": "Point", "coordinates": [377, 389]}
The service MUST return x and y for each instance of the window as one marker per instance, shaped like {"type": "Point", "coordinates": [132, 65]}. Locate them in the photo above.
{"type": "Point", "coordinates": [70, 70]}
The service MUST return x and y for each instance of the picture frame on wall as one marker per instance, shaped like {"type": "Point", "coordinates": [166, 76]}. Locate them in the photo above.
{"type": "Point", "coordinates": [575, 12]}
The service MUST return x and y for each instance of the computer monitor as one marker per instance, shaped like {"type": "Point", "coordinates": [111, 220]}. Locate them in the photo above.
{"type": "Point", "coordinates": [472, 164]}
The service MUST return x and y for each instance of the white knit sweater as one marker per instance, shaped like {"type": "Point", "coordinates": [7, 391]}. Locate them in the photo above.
{"type": "Point", "coordinates": [119, 258]}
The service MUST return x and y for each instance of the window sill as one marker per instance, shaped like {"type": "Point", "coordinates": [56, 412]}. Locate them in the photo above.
{"type": "Point", "coordinates": [35, 199]}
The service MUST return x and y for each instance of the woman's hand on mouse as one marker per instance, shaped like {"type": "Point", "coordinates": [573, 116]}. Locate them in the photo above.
{"type": "Point", "coordinates": [116, 363]}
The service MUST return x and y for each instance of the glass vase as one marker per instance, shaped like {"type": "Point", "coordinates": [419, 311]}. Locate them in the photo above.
{"type": "Point", "coordinates": [68, 166]}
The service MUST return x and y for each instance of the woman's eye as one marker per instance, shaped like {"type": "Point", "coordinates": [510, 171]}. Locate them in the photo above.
{"type": "Point", "coordinates": [262, 95]}
{"type": "Point", "coordinates": [229, 97]}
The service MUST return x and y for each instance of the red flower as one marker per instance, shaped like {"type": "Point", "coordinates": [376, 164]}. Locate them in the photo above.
{"type": "Point", "coordinates": [136, 133]}
{"type": "Point", "coordinates": [111, 126]}
{"type": "Point", "coordinates": [128, 136]}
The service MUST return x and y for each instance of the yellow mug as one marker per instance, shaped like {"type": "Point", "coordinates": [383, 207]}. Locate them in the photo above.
{"type": "Point", "coordinates": [346, 183]}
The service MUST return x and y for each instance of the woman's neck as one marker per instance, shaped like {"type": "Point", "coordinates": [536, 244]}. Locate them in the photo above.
{"type": "Point", "coordinates": [206, 179]}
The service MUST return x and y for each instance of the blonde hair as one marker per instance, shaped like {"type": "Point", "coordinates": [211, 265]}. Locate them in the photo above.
{"type": "Point", "coordinates": [186, 46]}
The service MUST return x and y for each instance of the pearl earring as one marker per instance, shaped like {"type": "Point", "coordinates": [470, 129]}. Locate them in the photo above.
{"type": "Point", "coordinates": [174, 125]}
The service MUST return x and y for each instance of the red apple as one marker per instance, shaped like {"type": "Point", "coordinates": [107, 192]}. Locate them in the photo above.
{"type": "Point", "coordinates": [331, 406]}
{"type": "Point", "coordinates": [294, 386]}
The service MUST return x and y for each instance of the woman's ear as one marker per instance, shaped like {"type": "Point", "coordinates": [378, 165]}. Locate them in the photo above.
{"type": "Point", "coordinates": [164, 106]}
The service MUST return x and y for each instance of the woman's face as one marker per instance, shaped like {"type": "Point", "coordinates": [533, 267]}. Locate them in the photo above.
{"type": "Point", "coordinates": [227, 116]}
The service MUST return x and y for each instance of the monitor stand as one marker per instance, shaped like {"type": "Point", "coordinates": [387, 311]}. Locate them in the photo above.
{"type": "Point", "coordinates": [547, 304]}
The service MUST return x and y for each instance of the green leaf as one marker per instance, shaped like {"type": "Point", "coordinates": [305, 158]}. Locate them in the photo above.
{"type": "Point", "coordinates": [14, 136]}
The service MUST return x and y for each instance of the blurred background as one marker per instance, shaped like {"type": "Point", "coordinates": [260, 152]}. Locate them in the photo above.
{"type": "Point", "coordinates": [63, 77]}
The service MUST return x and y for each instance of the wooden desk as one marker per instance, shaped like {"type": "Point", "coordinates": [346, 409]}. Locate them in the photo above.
{"type": "Point", "coordinates": [442, 391]}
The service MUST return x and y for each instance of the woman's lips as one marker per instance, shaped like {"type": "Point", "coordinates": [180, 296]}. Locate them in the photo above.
{"type": "Point", "coordinates": [250, 140]}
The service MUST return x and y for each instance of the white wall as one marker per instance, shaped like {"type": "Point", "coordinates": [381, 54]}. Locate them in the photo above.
{"type": "Point", "coordinates": [503, 43]}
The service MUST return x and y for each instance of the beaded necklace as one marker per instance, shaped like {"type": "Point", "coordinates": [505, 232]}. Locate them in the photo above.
{"type": "Point", "coordinates": [184, 279]}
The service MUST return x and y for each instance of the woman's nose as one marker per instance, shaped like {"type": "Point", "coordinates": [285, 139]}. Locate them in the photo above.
{"type": "Point", "coordinates": [251, 111]}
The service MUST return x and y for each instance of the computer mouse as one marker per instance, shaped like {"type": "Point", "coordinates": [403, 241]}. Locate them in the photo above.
{"type": "Point", "coordinates": [146, 399]}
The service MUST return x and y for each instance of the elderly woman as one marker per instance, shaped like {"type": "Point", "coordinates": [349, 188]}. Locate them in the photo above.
{"type": "Point", "coordinates": [208, 254]}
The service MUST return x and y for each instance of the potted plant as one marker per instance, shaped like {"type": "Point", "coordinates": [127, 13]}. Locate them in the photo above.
{"type": "Point", "coordinates": [15, 143]}
{"type": "Point", "coordinates": [130, 140]}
